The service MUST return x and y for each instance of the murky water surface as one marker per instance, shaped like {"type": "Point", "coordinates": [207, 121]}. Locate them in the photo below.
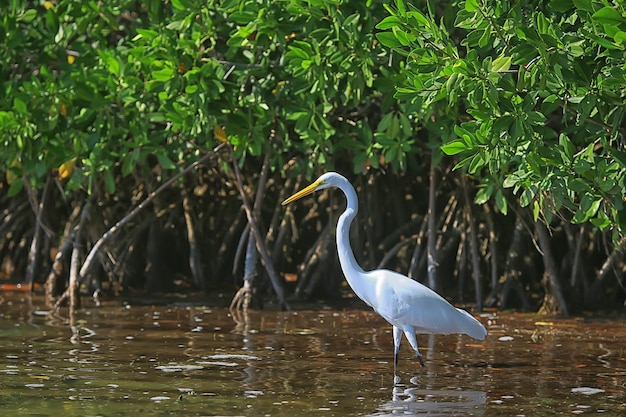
{"type": "Point", "coordinates": [177, 360]}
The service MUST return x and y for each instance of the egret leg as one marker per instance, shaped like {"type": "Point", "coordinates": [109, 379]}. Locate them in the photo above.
{"type": "Point", "coordinates": [409, 332]}
{"type": "Point", "coordinates": [397, 338]}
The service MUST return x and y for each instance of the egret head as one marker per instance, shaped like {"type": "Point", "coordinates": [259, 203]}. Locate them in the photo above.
{"type": "Point", "coordinates": [329, 179]}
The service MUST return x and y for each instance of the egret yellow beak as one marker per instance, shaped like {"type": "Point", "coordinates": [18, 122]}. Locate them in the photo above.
{"type": "Point", "coordinates": [304, 192]}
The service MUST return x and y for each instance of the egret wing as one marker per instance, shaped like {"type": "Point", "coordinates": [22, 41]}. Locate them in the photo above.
{"type": "Point", "coordinates": [403, 301]}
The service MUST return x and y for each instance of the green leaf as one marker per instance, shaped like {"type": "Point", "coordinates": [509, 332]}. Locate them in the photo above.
{"type": "Point", "coordinates": [600, 40]}
{"type": "Point", "coordinates": [163, 74]}
{"type": "Point", "coordinates": [501, 64]}
{"type": "Point", "coordinates": [601, 223]}
{"type": "Point", "coordinates": [535, 118]}
{"type": "Point", "coordinates": [477, 163]}
{"type": "Point", "coordinates": [109, 181]}
{"type": "Point", "coordinates": [584, 5]}
{"type": "Point", "coordinates": [28, 16]}
{"type": "Point", "coordinates": [620, 37]}
{"type": "Point", "coordinates": [578, 185]}
{"type": "Point", "coordinates": [388, 39]}
{"type": "Point", "coordinates": [501, 202]}
{"type": "Point", "coordinates": [510, 181]}
{"type": "Point", "coordinates": [550, 104]}
{"type": "Point", "coordinates": [165, 161]}
{"type": "Point", "coordinates": [419, 18]}
{"type": "Point", "coordinates": [608, 15]}
{"type": "Point", "coordinates": [536, 210]}
{"type": "Point", "coordinates": [485, 39]}
{"type": "Point", "coordinates": [146, 33]}
{"type": "Point", "coordinates": [128, 164]}
{"type": "Point", "coordinates": [178, 25]}
{"type": "Point", "coordinates": [455, 147]}
{"type": "Point", "coordinates": [296, 52]}
{"type": "Point", "coordinates": [526, 197]}
{"type": "Point", "coordinates": [472, 5]}
{"type": "Point", "coordinates": [483, 194]}
{"type": "Point", "coordinates": [243, 17]}
{"type": "Point", "coordinates": [52, 21]}
{"type": "Point", "coordinates": [474, 37]}
{"type": "Point", "coordinates": [16, 186]}
{"type": "Point", "coordinates": [113, 64]}
{"type": "Point", "coordinates": [593, 209]}
{"type": "Point", "coordinates": [401, 8]}
{"type": "Point", "coordinates": [561, 5]}
{"type": "Point", "coordinates": [405, 38]}
{"type": "Point", "coordinates": [19, 105]}
{"type": "Point", "coordinates": [567, 145]}
{"type": "Point", "coordinates": [389, 22]}
{"type": "Point", "coordinates": [182, 4]}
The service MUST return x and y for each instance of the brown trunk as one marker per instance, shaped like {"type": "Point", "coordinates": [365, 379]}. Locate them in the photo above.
{"type": "Point", "coordinates": [493, 246]}
{"type": "Point", "coordinates": [74, 266]}
{"type": "Point", "coordinates": [510, 279]}
{"type": "Point", "coordinates": [56, 271]}
{"type": "Point", "coordinates": [195, 263]}
{"type": "Point", "coordinates": [594, 295]}
{"type": "Point", "coordinates": [554, 298]}
{"type": "Point", "coordinates": [34, 255]}
{"type": "Point", "coordinates": [432, 232]}
{"type": "Point", "coordinates": [473, 241]}
{"type": "Point", "coordinates": [417, 252]}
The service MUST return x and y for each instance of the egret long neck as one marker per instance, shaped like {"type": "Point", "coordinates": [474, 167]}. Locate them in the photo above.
{"type": "Point", "coordinates": [346, 256]}
{"type": "Point", "coordinates": [362, 283]}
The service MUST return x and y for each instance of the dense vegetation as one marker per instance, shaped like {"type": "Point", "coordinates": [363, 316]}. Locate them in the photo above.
{"type": "Point", "coordinates": [149, 145]}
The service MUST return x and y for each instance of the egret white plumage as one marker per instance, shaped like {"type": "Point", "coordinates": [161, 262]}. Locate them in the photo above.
{"type": "Point", "coordinates": [406, 304]}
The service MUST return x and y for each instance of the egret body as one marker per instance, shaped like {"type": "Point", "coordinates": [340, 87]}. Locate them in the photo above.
{"type": "Point", "coordinates": [407, 305]}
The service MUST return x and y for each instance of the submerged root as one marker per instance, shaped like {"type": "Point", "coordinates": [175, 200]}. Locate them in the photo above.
{"type": "Point", "coordinates": [241, 299]}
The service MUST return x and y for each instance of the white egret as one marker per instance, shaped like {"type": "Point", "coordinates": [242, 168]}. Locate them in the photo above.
{"type": "Point", "coordinates": [406, 304]}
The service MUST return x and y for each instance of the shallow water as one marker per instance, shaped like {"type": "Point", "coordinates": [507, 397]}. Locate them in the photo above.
{"type": "Point", "coordinates": [175, 360]}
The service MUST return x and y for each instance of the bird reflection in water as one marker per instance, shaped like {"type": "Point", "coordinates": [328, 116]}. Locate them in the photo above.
{"type": "Point", "coordinates": [425, 402]}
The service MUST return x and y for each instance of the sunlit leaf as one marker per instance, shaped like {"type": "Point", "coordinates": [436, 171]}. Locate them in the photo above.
{"type": "Point", "coordinates": [163, 74]}
{"type": "Point", "coordinates": [67, 168]}
{"type": "Point", "coordinates": [454, 147]}
{"type": "Point", "coordinates": [220, 133]}
{"type": "Point", "coordinates": [471, 5]}
{"type": "Point", "coordinates": [501, 64]}
{"type": "Point", "coordinates": [27, 16]}
{"type": "Point", "coordinates": [388, 39]}
{"type": "Point", "coordinates": [536, 210]}
{"type": "Point", "coordinates": [601, 223]}
{"type": "Point", "coordinates": [389, 22]}
{"type": "Point", "coordinates": [483, 195]}
{"type": "Point", "coordinates": [182, 4]}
